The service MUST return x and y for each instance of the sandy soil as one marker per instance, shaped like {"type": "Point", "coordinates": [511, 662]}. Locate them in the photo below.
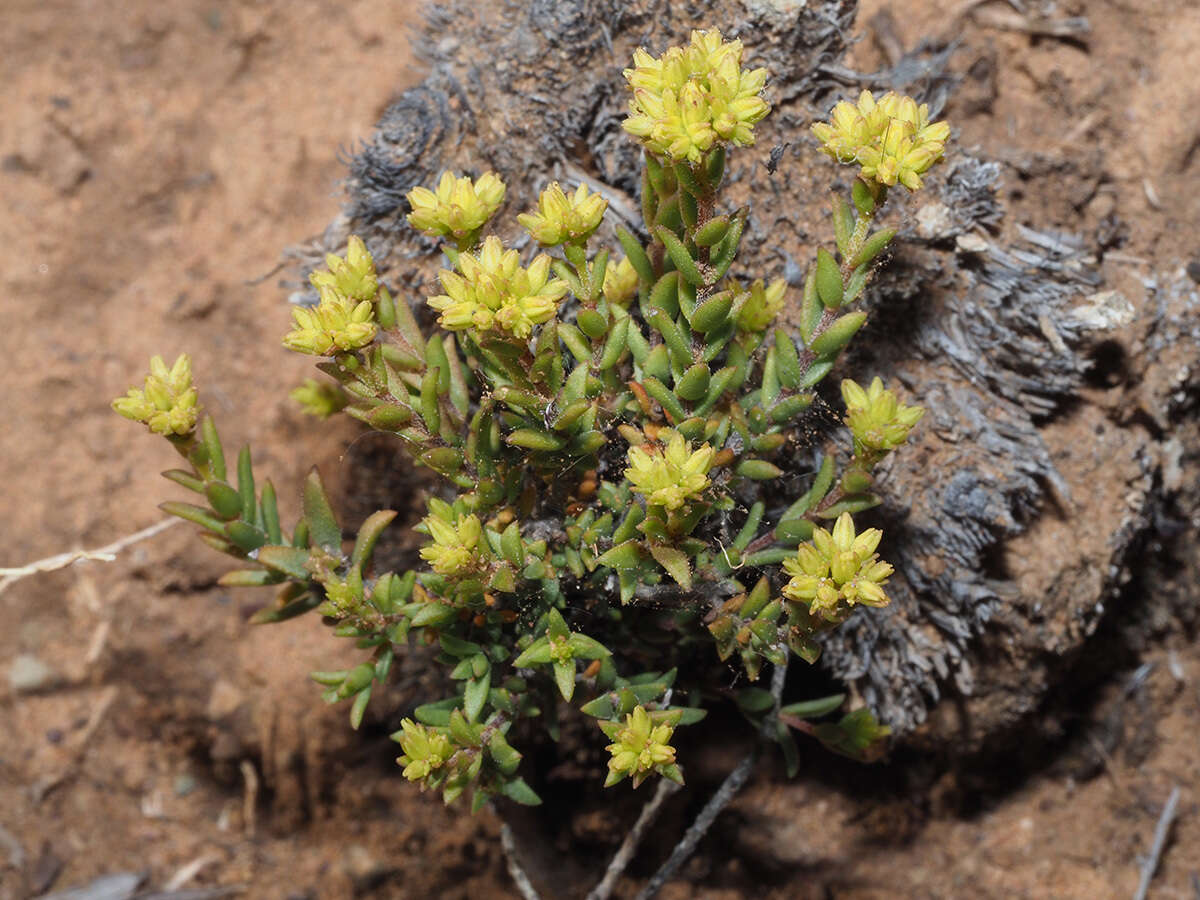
{"type": "Point", "coordinates": [155, 159]}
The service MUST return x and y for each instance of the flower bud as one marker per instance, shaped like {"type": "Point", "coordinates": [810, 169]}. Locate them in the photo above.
{"type": "Point", "coordinates": [167, 404]}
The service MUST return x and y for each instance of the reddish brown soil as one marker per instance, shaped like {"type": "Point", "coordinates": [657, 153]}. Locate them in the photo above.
{"type": "Point", "coordinates": [154, 160]}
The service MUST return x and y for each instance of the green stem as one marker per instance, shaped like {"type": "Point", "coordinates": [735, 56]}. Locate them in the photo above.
{"type": "Point", "coordinates": [862, 227]}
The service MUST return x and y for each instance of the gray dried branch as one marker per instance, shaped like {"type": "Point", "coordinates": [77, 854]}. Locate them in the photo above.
{"type": "Point", "coordinates": [628, 848]}
{"type": "Point", "coordinates": [509, 844]}
{"type": "Point", "coordinates": [1161, 831]}
{"type": "Point", "coordinates": [729, 788]}
{"type": "Point", "coordinates": [107, 553]}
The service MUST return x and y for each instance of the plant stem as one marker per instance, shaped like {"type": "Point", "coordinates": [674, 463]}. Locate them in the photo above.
{"type": "Point", "coordinates": [628, 848]}
{"type": "Point", "coordinates": [828, 316]}
{"type": "Point", "coordinates": [684, 849]}
{"type": "Point", "coordinates": [857, 239]}
{"type": "Point", "coordinates": [520, 879]}
{"type": "Point", "coordinates": [729, 788]}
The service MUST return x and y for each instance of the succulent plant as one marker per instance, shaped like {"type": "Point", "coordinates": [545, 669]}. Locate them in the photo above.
{"type": "Point", "coordinates": [612, 523]}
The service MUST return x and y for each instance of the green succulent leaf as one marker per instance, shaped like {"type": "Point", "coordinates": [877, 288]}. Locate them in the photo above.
{"type": "Point", "coordinates": [712, 232]}
{"type": "Point", "coordinates": [873, 246]}
{"type": "Point", "coordinates": [368, 536]}
{"type": "Point", "coordinates": [323, 528]}
{"type": "Point", "coordinates": [520, 792]}
{"type": "Point", "coordinates": [829, 279]}
{"type": "Point", "coordinates": [814, 709]}
{"type": "Point", "coordinates": [627, 555]}
{"type": "Point", "coordinates": [679, 255]}
{"type": "Point", "coordinates": [475, 695]}
{"type": "Point", "coordinates": [296, 606]}
{"type": "Point", "coordinates": [224, 500]}
{"type": "Point", "coordinates": [838, 335]}
{"type": "Point", "coordinates": [676, 563]}
{"type": "Point", "coordinates": [636, 255]}
{"type": "Point", "coordinates": [197, 515]}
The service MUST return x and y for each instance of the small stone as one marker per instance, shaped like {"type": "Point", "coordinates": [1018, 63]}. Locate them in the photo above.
{"type": "Point", "coordinates": [184, 784]}
{"type": "Point", "coordinates": [1104, 311]}
{"type": "Point", "coordinates": [365, 872]}
{"type": "Point", "coordinates": [28, 674]}
{"type": "Point", "coordinates": [1193, 270]}
{"type": "Point", "coordinates": [971, 243]}
{"type": "Point", "coordinates": [935, 221]}
{"type": "Point", "coordinates": [224, 700]}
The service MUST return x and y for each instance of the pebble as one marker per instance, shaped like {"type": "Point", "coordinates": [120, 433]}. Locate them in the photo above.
{"type": "Point", "coordinates": [224, 700]}
{"type": "Point", "coordinates": [28, 674]}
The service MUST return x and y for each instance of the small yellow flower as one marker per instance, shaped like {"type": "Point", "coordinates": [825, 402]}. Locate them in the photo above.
{"type": "Point", "coordinates": [319, 399]}
{"type": "Point", "coordinates": [640, 748]}
{"type": "Point", "coordinates": [878, 422]}
{"type": "Point", "coordinates": [344, 319]}
{"type": "Point", "coordinates": [838, 568]}
{"type": "Point", "coordinates": [762, 306]}
{"type": "Point", "coordinates": [492, 291]}
{"type": "Point", "coordinates": [620, 283]}
{"type": "Point", "coordinates": [352, 277]}
{"type": "Point", "coordinates": [425, 750]}
{"type": "Point", "coordinates": [334, 325]}
{"type": "Point", "coordinates": [891, 138]}
{"type": "Point", "coordinates": [167, 404]}
{"type": "Point", "coordinates": [455, 542]}
{"type": "Point", "coordinates": [560, 219]}
{"type": "Point", "coordinates": [670, 477]}
{"type": "Point", "coordinates": [459, 208]}
{"type": "Point", "coordinates": [693, 97]}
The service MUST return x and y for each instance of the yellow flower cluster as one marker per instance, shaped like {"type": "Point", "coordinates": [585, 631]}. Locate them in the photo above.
{"type": "Point", "coordinates": [878, 422]}
{"type": "Point", "coordinates": [672, 476]}
{"type": "Point", "coordinates": [319, 399]}
{"type": "Point", "coordinates": [455, 541]}
{"type": "Point", "coordinates": [493, 291]}
{"type": "Point", "coordinates": [333, 325]}
{"type": "Point", "coordinates": [838, 567]}
{"type": "Point", "coordinates": [761, 306]}
{"type": "Point", "coordinates": [168, 403]}
{"type": "Point", "coordinates": [459, 208]}
{"type": "Point", "coordinates": [639, 748]}
{"type": "Point", "coordinates": [425, 750]}
{"type": "Point", "coordinates": [344, 319]}
{"type": "Point", "coordinates": [891, 138]}
{"type": "Point", "coordinates": [693, 97]}
{"type": "Point", "coordinates": [560, 219]}
{"type": "Point", "coordinates": [352, 277]}
{"type": "Point", "coordinates": [620, 283]}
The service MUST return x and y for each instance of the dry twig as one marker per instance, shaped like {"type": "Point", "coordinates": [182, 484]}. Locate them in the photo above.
{"type": "Point", "coordinates": [9, 576]}
{"type": "Point", "coordinates": [628, 848]}
{"type": "Point", "coordinates": [729, 788]}
{"type": "Point", "coordinates": [1161, 831]}
{"type": "Point", "coordinates": [733, 783]}
{"type": "Point", "coordinates": [520, 879]}
{"type": "Point", "coordinates": [45, 785]}
{"type": "Point", "coordinates": [188, 871]}
{"type": "Point", "coordinates": [249, 797]}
